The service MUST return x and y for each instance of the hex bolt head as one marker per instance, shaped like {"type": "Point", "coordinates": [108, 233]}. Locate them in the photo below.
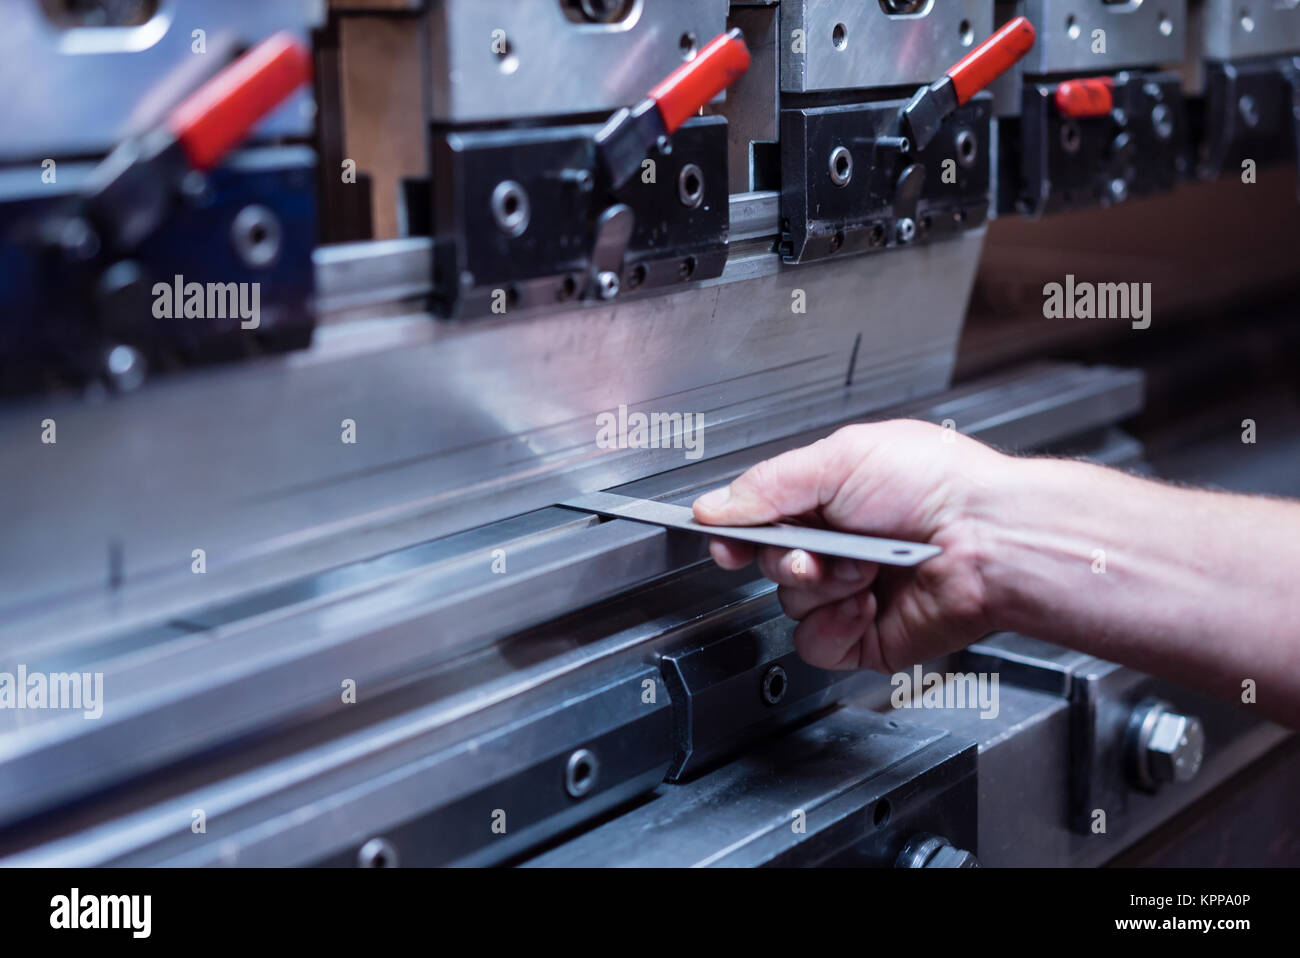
{"type": "Point", "coordinates": [1176, 748]}
{"type": "Point", "coordinates": [1164, 746]}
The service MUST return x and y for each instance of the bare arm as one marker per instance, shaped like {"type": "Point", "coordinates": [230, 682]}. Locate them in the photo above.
{"type": "Point", "coordinates": [1199, 587]}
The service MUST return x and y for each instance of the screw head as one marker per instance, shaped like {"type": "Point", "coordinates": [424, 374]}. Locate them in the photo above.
{"type": "Point", "coordinates": [377, 853]}
{"type": "Point", "coordinates": [1162, 119]}
{"type": "Point", "coordinates": [607, 284]}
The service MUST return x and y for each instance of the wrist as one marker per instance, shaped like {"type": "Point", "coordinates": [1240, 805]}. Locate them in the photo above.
{"type": "Point", "coordinates": [1011, 511]}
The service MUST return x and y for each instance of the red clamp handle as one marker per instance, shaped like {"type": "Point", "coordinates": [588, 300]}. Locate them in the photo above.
{"type": "Point", "coordinates": [1083, 98]}
{"type": "Point", "coordinates": [213, 119]}
{"type": "Point", "coordinates": [682, 93]}
{"type": "Point", "coordinates": [992, 58]}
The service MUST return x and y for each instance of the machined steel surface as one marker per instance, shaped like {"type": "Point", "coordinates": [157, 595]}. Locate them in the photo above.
{"type": "Point", "coordinates": [1238, 29]}
{"type": "Point", "coordinates": [848, 44]}
{"type": "Point", "coordinates": [853, 784]}
{"type": "Point", "coordinates": [499, 59]}
{"type": "Point", "coordinates": [783, 535]}
{"type": "Point", "coordinates": [457, 424]}
{"type": "Point", "coordinates": [186, 672]}
{"type": "Point", "coordinates": [1136, 33]}
{"type": "Point", "coordinates": [99, 85]}
{"type": "Point", "coordinates": [1031, 755]}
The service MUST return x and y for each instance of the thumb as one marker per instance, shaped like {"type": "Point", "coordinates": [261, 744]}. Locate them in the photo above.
{"type": "Point", "coordinates": [789, 485]}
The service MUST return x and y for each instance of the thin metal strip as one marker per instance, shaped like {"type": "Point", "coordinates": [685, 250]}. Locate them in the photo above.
{"type": "Point", "coordinates": [824, 541]}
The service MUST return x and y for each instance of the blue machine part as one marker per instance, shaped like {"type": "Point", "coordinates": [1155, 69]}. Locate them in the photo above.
{"type": "Point", "coordinates": [228, 274]}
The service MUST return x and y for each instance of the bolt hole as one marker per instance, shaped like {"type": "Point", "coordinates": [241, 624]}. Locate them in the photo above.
{"type": "Point", "coordinates": [637, 276]}
{"type": "Point", "coordinates": [840, 36]}
{"type": "Point", "coordinates": [966, 32]}
{"type": "Point", "coordinates": [1071, 137]}
{"type": "Point", "coordinates": [880, 813]}
{"type": "Point", "coordinates": [690, 186]}
{"type": "Point", "coordinates": [687, 269]}
{"type": "Point", "coordinates": [688, 45]}
{"type": "Point", "coordinates": [580, 773]}
{"type": "Point", "coordinates": [967, 147]}
{"type": "Point", "coordinates": [775, 684]}
{"type": "Point", "coordinates": [1072, 27]}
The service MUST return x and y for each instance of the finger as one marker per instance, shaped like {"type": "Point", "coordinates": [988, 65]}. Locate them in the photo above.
{"type": "Point", "coordinates": [790, 484]}
{"type": "Point", "coordinates": [831, 636]}
{"type": "Point", "coordinates": [794, 567]}
{"type": "Point", "coordinates": [799, 603]}
{"type": "Point", "coordinates": [807, 570]}
{"type": "Point", "coordinates": [731, 554]}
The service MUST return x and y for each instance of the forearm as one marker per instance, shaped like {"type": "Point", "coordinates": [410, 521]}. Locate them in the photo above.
{"type": "Point", "coordinates": [1196, 586]}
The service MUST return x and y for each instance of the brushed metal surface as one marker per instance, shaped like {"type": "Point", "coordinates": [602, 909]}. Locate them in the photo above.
{"type": "Point", "coordinates": [848, 44]}
{"type": "Point", "coordinates": [83, 90]}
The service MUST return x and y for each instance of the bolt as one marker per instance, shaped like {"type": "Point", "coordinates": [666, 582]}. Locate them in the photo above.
{"type": "Point", "coordinates": [606, 284]}
{"type": "Point", "coordinates": [1176, 748]}
{"type": "Point", "coordinates": [906, 230]}
{"type": "Point", "coordinates": [1164, 746]}
{"type": "Point", "coordinates": [377, 853]}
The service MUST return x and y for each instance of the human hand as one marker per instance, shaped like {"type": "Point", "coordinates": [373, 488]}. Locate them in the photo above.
{"type": "Point", "coordinates": [902, 479]}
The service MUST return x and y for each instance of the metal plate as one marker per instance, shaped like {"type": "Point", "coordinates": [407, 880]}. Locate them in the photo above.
{"type": "Point", "coordinates": [821, 218]}
{"type": "Point", "coordinates": [1233, 29]}
{"type": "Point", "coordinates": [853, 43]}
{"type": "Point", "coordinates": [468, 422]}
{"type": "Point", "coordinates": [548, 258]}
{"type": "Point", "coordinates": [1137, 33]}
{"type": "Point", "coordinates": [783, 535]}
{"type": "Point", "coordinates": [99, 85]}
{"type": "Point", "coordinates": [498, 59]}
